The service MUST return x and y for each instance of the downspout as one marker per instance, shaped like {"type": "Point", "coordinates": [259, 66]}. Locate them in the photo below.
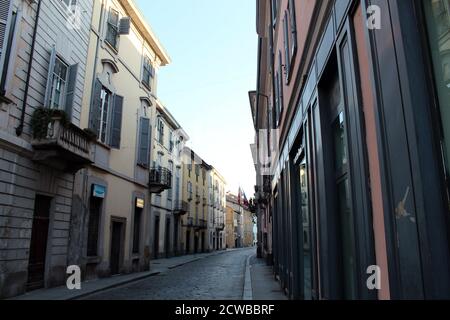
{"type": "Point", "coordinates": [19, 129]}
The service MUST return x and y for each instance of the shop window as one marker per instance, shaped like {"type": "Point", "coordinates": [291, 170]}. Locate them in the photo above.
{"type": "Point", "coordinates": [437, 13]}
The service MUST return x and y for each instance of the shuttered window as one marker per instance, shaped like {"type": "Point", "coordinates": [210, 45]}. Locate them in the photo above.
{"type": "Point", "coordinates": [287, 52]}
{"type": "Point", "coordinates": [61, 84]}
{"type": "Point", "coordinates": [144, 142]}
{"type": "Point", "coordinates": [4, 14]}
{"type": "Point", "coordinates": [112, 32]}
{"type": "Point", "coordinates": [106, 116]}
{"type": "Point", "coordinates": [280, 86]}
{"type": "Point", "coordinates": [148, 73]}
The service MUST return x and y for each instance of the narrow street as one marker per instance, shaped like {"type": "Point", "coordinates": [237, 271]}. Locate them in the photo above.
{"type": "Point", "coordinates": [219, 276]}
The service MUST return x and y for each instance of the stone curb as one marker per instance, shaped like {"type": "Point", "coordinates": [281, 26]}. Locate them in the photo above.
{"type": "Point", "coordinates": [248, 290]}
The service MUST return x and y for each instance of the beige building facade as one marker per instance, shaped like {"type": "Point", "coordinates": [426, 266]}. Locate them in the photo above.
{"type": "Point", "coordinates": [112, 200]}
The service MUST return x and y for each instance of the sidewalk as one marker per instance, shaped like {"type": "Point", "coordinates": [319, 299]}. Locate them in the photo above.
{"type": "Point", "coordinates": [94, 286]}
{"type": "Point", "coordinates": [260, 282]}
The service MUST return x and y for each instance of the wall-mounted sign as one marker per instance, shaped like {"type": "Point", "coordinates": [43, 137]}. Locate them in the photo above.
{"type": "Point", "coordinates": [98, 191]}
{"type": "Point", "coordinates": [140, 203]}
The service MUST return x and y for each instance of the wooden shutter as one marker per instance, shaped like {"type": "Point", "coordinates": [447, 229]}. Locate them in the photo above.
{"type": "Point", "coordinates": [280, 84]}
{"type": "Point", "coordinates": [51, 67]}
{"type": "Point", "coordinates": [124, 26]}
{"type": "Point", "coordinates": [4, 14]}
{"type": "Point", "coordinates": [71, 86]}
{"type": "Point", "coordinates": [287, 53]}
{"type": "Point", "coordinates": [95, 112]}
{"type": "Point", "coordinates": [116, 122]}
{"type": "Point", "coordinates": [144, 142]}
{"type": "Point", "coordinates": [293, 20]}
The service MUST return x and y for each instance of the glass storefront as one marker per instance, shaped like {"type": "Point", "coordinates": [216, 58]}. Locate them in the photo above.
{"type": "Point", "coordinates": [437, 13]}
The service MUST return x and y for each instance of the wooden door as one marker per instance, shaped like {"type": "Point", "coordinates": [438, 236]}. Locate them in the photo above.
{"type": "Point", "coordinates": [38, 244]}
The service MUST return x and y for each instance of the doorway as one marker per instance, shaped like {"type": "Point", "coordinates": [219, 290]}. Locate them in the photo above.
{"type": "Point", "coordinates": [188, 241]}
{"type": "Point", "coordinates": [117, 228]}
{"type": "Point", "coordinates": [156, 238]}
{"type": "Point", "coordinates": [38, 244]}
{"type": "Point", "coordinates": [167, 238]}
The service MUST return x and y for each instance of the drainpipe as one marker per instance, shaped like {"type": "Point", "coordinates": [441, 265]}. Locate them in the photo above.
{"type": "Point", "coordinates": [19, 129]}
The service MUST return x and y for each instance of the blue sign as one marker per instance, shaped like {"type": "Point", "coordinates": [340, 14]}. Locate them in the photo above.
{"type": "Point", "coordinates": [98, 191]}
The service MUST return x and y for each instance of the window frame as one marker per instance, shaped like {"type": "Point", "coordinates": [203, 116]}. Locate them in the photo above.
{"type": "Point", "coordinates": [115, 28]}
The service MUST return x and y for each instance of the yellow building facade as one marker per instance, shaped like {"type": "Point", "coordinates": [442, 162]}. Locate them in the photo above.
{"type": "Point", "coordinates": [194, 224]}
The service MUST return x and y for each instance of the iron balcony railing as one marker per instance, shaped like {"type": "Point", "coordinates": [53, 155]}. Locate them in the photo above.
{"type": "Point", "coordinates": [189, 222]}
{"type": "Point", "coordinates": [201, 224]}
{"type": "Point", "coordinates": [197, 198]}
{"type": "Point", "coordinates": [181, 207]}
{"type": "Point", "coordinates": [160, 179]}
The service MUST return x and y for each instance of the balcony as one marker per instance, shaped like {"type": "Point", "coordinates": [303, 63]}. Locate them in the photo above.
{"type": "Point", "coordinates": [61, 144]}
{"type": "Point", "coordinates": [181, 208]}
{"type": "Point", "coordinates": [197, 199]}
{"type": "Point", "coordinates": [160, 180]}
{"type": "Point", "coordinates": [220, 226]}
{"type": "Point", "coordinates": [201, 224]}
{"type": "Point", "coordinates": [189, 222]}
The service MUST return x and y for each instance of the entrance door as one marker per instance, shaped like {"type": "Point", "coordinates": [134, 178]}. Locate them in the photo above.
{"type": "Point", "coordinates": [38, 244]}
{"type": "Point", "coordinates": [196, 243]}
{"type": "Point", "coordinates": [156, 238]}
{"type": "Point", "coordinates": [175, 235]}
{"type": "Point", "coordinates": [116, 247]}
{"type": "Point", "coordinates": [167, 237]}
{"type": "Point", "coordinates": [203, 242]}
{"type": "Point", "coordinates": [188, 241]}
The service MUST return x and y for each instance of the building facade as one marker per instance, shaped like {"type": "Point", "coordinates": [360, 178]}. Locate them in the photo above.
{"type": "Point", "coordinates": [351, 114]}
{"type": "Point", "coordinates": [194, 237]}
{"type": "Point", "coordinates": [111, 217]}
{"type": "Point", "coordinates": [169, 139]}
{"type": "Point", "coordinates": [216, 222]}
{"type": "Point", "coordinates": [43, 69]}
{"type": "Point", "coordinates": [239, 223]}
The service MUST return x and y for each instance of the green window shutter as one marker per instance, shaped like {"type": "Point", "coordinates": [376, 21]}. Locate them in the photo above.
{"type": "Point", "coordinates": [144, 142]}
{"type": "Point", "coordinates": [280, 84]}
{"type": "Point", "coordinates": [51, 67]}
{"type": "Point", "coordinates": [95, 112]}
{"type": "Point", "coordinates": [116, 122]}
{"type": "Point", "coordinates": [71, 86]}
{"type": "Point", "coordinates": [287, 53]}
{"type": "Point", "coordinates": [293, 20]}
{"type": "Point", "coordinates": [4, 14]}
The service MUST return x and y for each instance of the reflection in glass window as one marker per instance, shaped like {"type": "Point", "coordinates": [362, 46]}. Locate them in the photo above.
{"type": "Point", "coordinates": [438, 24]}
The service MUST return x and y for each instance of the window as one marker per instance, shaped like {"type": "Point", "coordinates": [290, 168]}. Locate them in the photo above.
{"type": "Point", "coordinates": [197, 171]}
{"type": "Point", "coordinates": [160, 131]}
{"type": "Point", "coordinates": [104, 110]}
{"type": "Point", "coordinates": [437, 15]}
{"type": "Point", "coordinates": [274, 11]}
{"type": "Point", "coordinates": [106, 116]}
{"type": "Point", "coordinates": [170, 191]}
{"type": "Point", "coordinates": [279, 91]}
{"type": "Point", "coordinates": [148, 73]}
{"type": "Point", "coordinates": [58, 84]}
{"type": "Point", "coordinates": [189, 190]}
{"type": "Point", "coordinates": [69, 3]}
{"type": "Point", "coordinates": [290, 38]}
{"type": "Point", "coordinates": [171, 143]}
{"type": "Point", "coordinates": [137, 230]}
{"type": "Point", "coordinates": [112, 31]}
{"type": "Point", "coordinates": [93, 226]}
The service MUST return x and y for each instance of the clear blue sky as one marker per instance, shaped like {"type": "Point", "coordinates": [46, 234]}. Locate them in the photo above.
{"type": "Point", "coordinates": [213, 47]}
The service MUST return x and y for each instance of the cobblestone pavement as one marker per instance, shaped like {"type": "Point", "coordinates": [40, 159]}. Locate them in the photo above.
{"type": "Point", "coordinates": [218, 277]}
